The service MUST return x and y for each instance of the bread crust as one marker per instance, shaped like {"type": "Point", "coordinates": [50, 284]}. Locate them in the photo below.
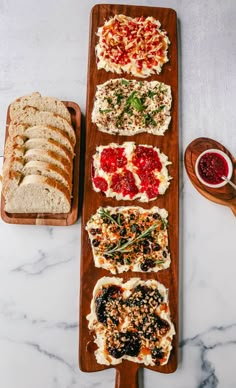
{"type": "Point", "coordinates": [32, 116]}
{"type": "Point", "coordinates": [49, 104]}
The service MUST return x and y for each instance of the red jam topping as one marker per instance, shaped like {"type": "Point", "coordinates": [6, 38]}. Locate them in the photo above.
{"type": "Point", "coordinates": [149, 184]}
{"type": "Point", "coordinates": [124, 183]}
{"type": "Point", "coordinates": [100, 183]}
{"type": "Point", "coordinates": [113, 158]}
{"type": "Point", "coordinates": [211, 167]}
{"type": "Point", "coordinates": [147, 159]}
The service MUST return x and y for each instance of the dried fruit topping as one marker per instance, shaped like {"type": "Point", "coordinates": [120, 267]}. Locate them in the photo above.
{"type": "Point", "coordinates": [107, 294]}
{"type": "Point", "coordinates": [122, 343]}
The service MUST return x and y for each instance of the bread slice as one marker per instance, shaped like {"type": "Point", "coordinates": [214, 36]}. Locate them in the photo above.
{"type": "Point", "coordinates": [33, 116]}
{"type": "Point", "coordinates": [37, 194]}
{"type": "Point", "coordinates": [22, 132]}
{"type": "Point", "coordinates": [47, 104]}
{"type": "Point", "coordinates": [36, 167]}
{"type": "Point", "coordinates": [50, 157]}
{"type": "Point", "coordinates": [13, 148]}
{"type": "Point", "coordinates": [10, 182]}
{"type": "Point", "coordinates": [49, 170]}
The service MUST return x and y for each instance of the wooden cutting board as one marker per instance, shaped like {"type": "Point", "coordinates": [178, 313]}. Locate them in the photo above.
{"type": "Point", "coordinates": [49, 218]}
{"type": "Point", "coordinates": [127, 371]}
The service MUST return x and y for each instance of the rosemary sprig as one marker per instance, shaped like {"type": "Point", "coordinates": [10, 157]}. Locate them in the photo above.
{"type": "Point", "coordinates": [160, 262]}
{"type": "Point", "coordinates": [122, 248]}
{"type": "Point", "coordinates": [164, 223]}
{"type": "Point", "coordinates": [105, 214]}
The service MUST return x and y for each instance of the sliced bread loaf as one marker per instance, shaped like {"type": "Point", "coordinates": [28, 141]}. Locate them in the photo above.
{"type": "Point", "coordinates": [47, 104]}
{"type": "Point", "coordinates": [33, 116]}
{"type": "Point", "coordinates": [39, 152]}
{"type": "Point", "coordinates": [37, 194]}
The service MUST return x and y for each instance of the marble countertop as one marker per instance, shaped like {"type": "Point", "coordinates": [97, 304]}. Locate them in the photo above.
{"type": "Point", "coordinates": [44, 47]}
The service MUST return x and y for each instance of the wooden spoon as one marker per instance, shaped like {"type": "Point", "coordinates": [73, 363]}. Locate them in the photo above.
{"type": "Point", "coordinates": [225, 195]}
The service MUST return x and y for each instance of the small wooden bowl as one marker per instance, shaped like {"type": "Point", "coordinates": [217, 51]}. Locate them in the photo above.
{"type": "Point", "coordinates": [225, 195]}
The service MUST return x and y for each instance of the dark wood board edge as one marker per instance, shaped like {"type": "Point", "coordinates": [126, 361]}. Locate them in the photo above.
{"type": "Point", "coordinates": [225, 195]}
{"type": "Point", "coordinates": [47, 218]}
{"type": "Point", "coordinates": [89, 274]}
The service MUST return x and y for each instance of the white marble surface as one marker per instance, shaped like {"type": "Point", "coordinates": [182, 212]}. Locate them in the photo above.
{"type": "Point", "coordinates": [43, 46]}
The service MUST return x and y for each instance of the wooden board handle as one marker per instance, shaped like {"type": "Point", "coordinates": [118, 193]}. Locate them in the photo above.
{"type": "Point", "coordinates": [128, 378]}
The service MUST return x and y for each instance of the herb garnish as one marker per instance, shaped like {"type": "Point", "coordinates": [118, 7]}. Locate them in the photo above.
{"type": "Point", "coordinates": [122, 247]}
{"type": "Point", "coordinates": [135, 102]}
{"type": "Point", "coordinates": [119, 98]}
{"type": "Point", "coordinates": [109, 100]}
{"type": "Point", "coordinates": [105, 214]}
{"type": "Point", "coordinates": [125, 82]}
{"type": "Point", "coordinates": [148, 119]}
{"type": "Point", "coordinates": [105, 110]}
{"type": "Point", "coordinates": [151, 94]}
{"type": "Point", "coordinates": [161, 107]}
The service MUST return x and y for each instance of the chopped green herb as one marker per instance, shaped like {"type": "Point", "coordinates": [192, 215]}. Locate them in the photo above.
{"type": "Point", "coordinates": [151, 94]}
{"type": "Point", "coordinates": [105, 110]}
{"type": "Point", "coordinates": [161, 107]}
{"type": "Point", "coordinates": [148, 119]}
{"type": "Point", "coordinates": [125, 82]}
{"type": "Point", "coordinates": [109, 100]}
{"type": "Point", "coordinates": [135, 102]}
{"type": "Point", "coordinates": [128, 110]}
{"type": "Point", "coordinates": [119, 119]}
{"type": "Point", "coordinates": [119, 98]}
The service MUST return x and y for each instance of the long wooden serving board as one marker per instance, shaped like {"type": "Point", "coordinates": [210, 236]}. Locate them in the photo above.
{"type": "Point", "coordinates": [62, 219]}
{"type": "Point", "coordinates": [127, 371]}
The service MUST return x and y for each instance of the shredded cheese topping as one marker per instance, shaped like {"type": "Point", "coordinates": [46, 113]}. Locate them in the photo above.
{"type": "Point", "coordinates": [134, 45]}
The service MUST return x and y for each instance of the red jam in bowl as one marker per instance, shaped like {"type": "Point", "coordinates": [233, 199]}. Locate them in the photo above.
{"type": "Point", "coordinates": [211, 167]}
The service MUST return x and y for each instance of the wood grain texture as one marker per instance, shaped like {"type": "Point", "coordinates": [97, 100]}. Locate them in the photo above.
{"type": "Point", "coordinates": [225, 195]}
{"type": "Point", "coordinates": [127, 371]}
{"type": "Point", "coordinates": [48, 218]}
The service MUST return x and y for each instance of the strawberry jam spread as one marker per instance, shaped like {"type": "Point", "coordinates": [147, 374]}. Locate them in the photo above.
{"type": "Point", "coordinates": [211, 167]}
